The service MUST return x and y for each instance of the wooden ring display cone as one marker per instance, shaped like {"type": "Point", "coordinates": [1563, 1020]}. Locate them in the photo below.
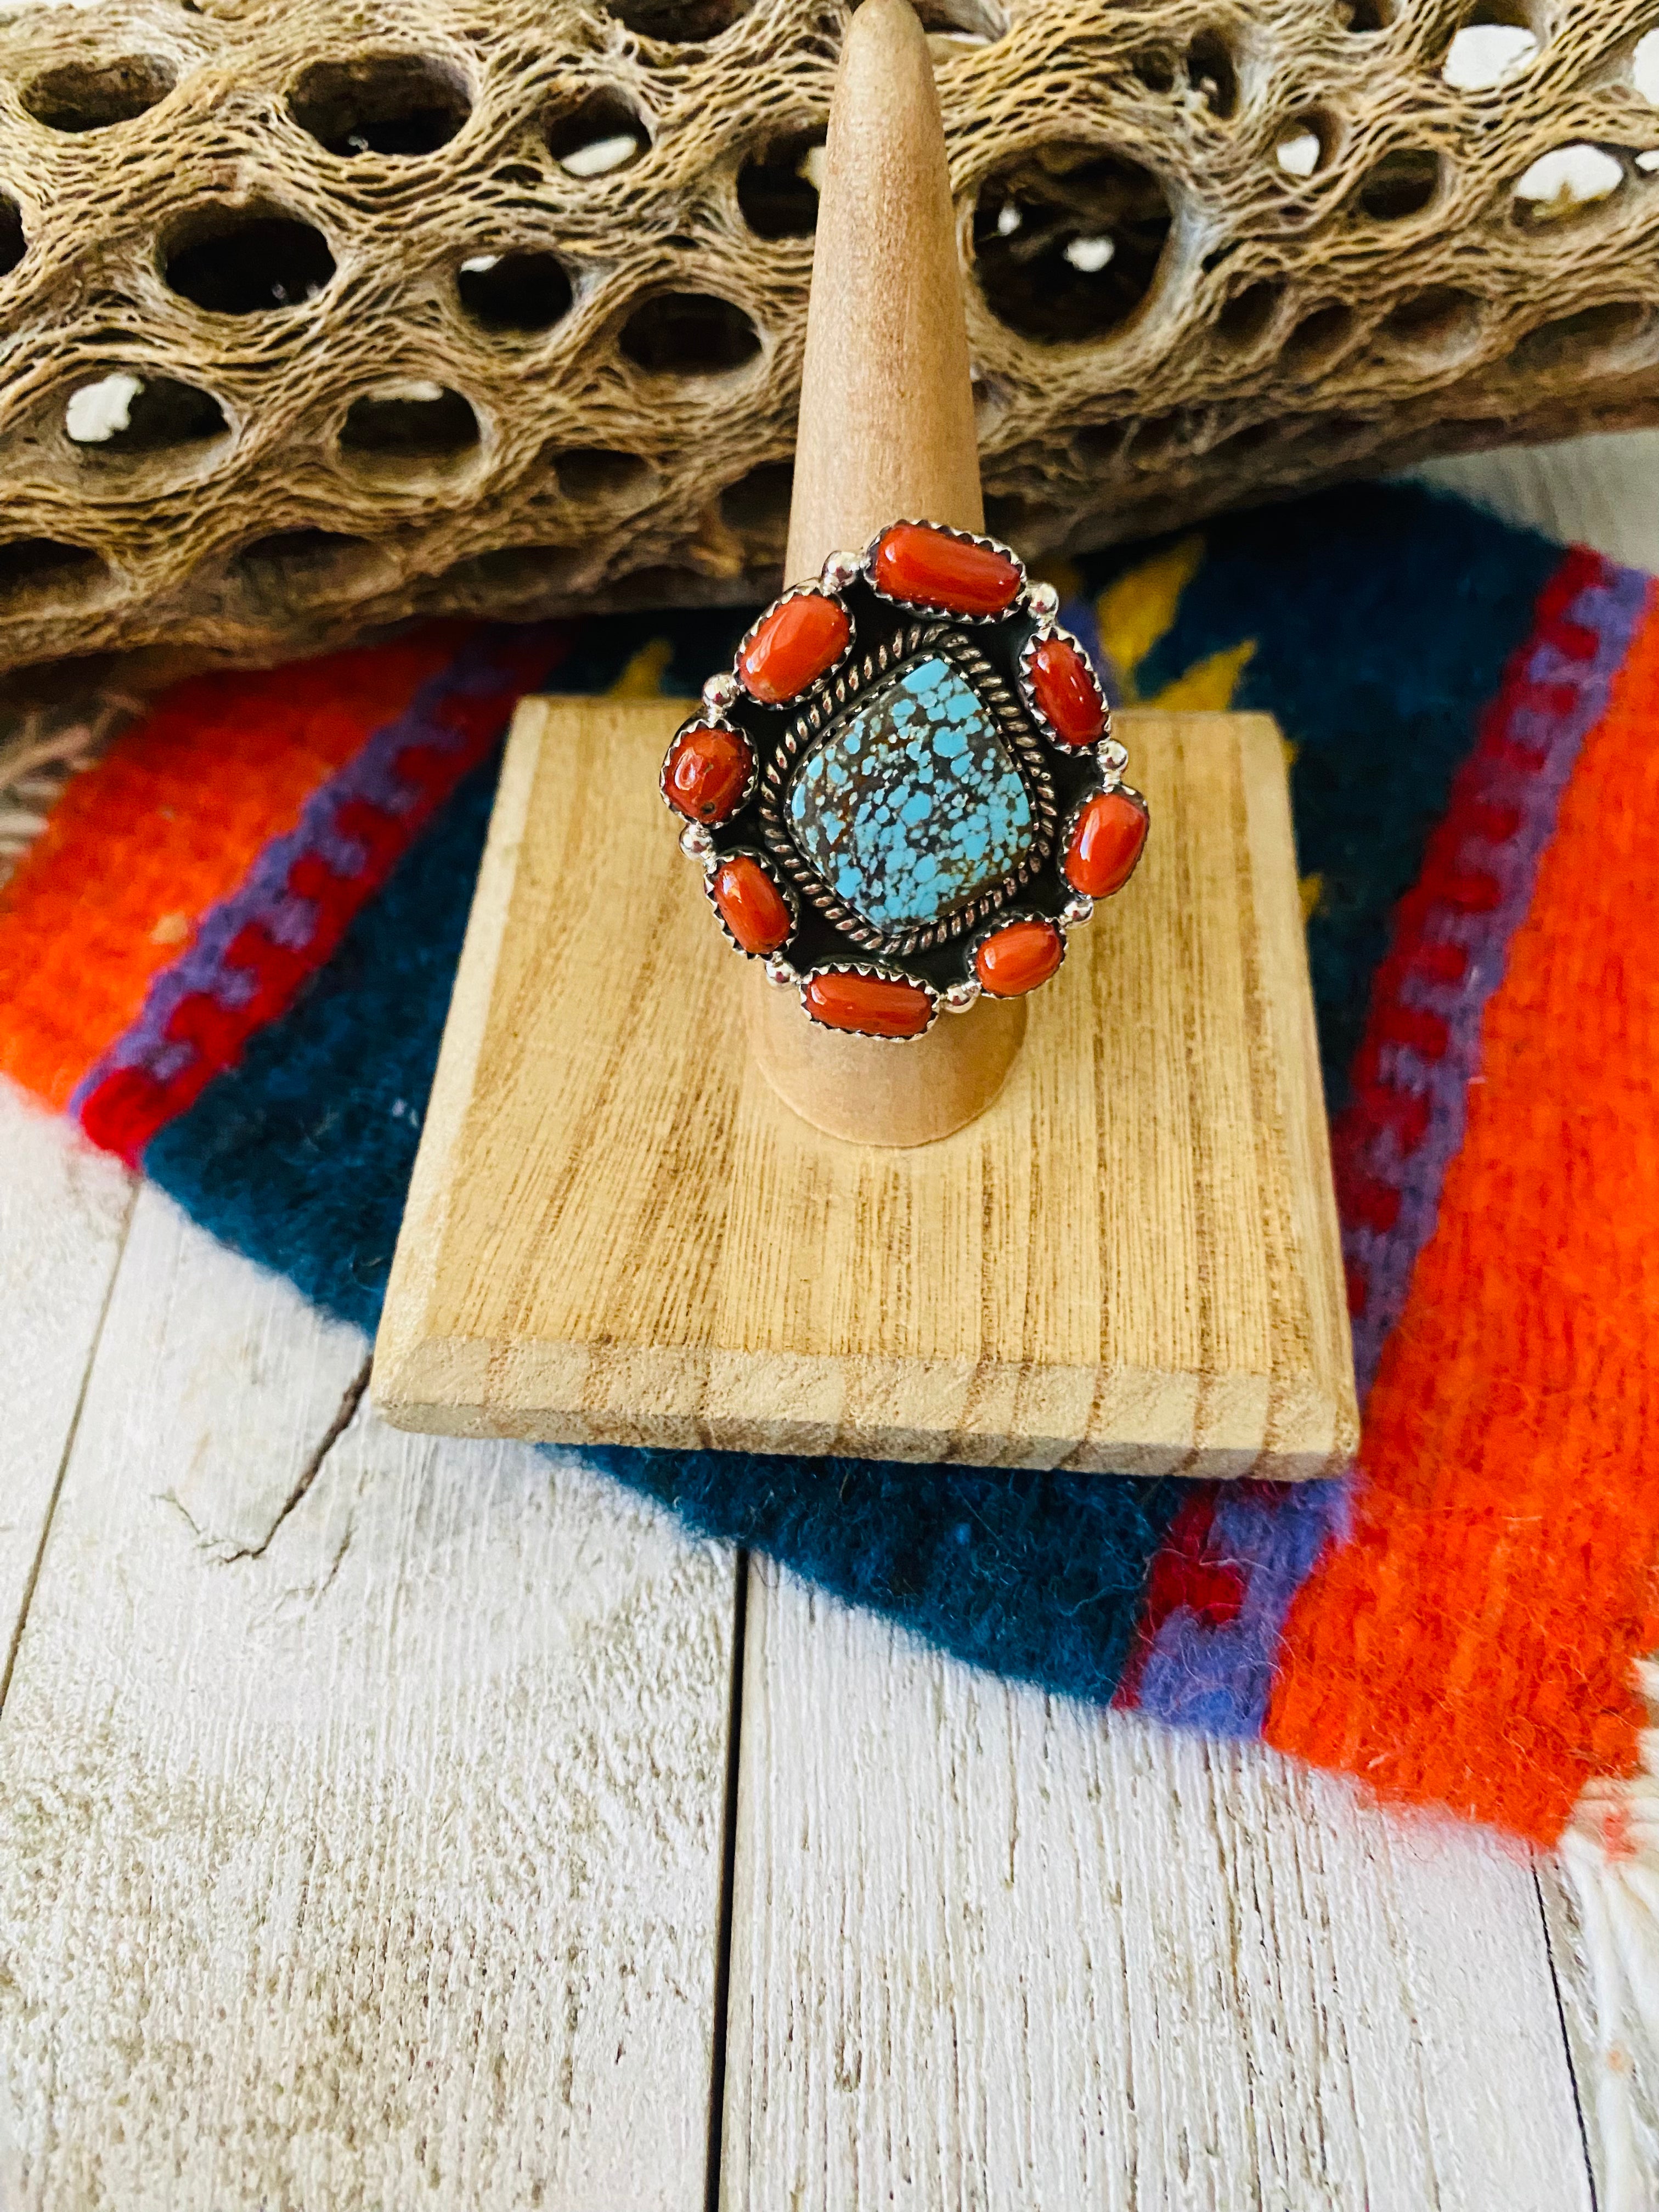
{"type": "Point", "coordinates": [886, 431]}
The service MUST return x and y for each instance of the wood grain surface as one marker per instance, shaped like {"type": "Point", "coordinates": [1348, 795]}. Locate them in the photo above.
{"type": "Point", "coordinates": [886, 425]}
{"type": "Point", "coordinates": [360, 1796]}
{"type": "Point", "coordinates": [616, 1233]}
{"type": "Point", "coordinates": [63, 1210]}
{"type": "Point", "coordinates": [990, 1949]}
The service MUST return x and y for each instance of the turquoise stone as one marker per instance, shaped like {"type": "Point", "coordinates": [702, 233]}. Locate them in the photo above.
{"type": "Point", "coordinates": [911, 804]}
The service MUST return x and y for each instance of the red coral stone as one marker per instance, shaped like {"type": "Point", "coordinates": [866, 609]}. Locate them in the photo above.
{"type": "Point", "coordinates": [873, 1005]}
{"type": "Point", "coordinates": [705, 774]}
{"type": "Point", "coordinates": [1063, 686]}
{"type": "Point", "coordinates": [917, 563]}
{"type": "Point", "coordinates": [796, 642]}
{"type": "Point", "coordinates": [751, 905]}
{"type": "Point", "coordinates": [1015, 960]}
{"type": "Point", "coordinates": [1105, 844]}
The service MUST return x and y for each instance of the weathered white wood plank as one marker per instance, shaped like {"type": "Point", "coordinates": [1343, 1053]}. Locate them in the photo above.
{"type": "Point", "coordinates": [1634, 2186]}
{"type": "Point", "coordinates": [994, 1951]}
{"type": "Point", "coordinates": [360, 1808]}
{"type": "Point", "coordinates": [64, 1211]}
{"type": "Point", "coordinates": [1601, 491]}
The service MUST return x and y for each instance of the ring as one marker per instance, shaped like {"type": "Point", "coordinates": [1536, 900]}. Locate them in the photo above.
{"type": "Point", "coordinates": [906, 791]}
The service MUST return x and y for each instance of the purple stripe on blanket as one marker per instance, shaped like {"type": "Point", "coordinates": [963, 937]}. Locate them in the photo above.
{"type": "Point", "coordinates": [1200, 1673]}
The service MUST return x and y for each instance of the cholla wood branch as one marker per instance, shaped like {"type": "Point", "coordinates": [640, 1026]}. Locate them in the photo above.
{"type": "Point", "coordinates": [316, 315]}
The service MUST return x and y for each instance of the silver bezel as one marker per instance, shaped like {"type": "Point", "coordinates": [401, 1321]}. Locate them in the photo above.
{"type": "Point", "coordinates": [1042, 636]}
{"type": "Point", "coordinates": [703, 720]}
{"type": "Point", "coordinates": [1007, 921]}
{"type": "Point", "coordinates": [800, 739]}
{"type": "Point", "coordinates": [811, 590]}
{"type": "Point", "coordinates": [964, 538]}
{"type": "Point", "coordinates": [785, 892]}
{"type": "Point", "coordinates": [886, 975]}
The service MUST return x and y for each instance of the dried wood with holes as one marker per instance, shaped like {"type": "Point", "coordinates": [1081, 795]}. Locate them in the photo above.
{"type": "Point", "coordinates": [317, 320]}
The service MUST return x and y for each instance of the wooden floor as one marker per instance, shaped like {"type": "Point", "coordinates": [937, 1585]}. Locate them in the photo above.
{"type": "Point", "coordinates": [389, 1821]}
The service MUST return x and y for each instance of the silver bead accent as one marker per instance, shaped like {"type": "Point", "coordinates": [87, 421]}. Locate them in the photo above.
{"type": "Point", "coordinates": [1043, 600]}
{"type": "Point", "coordinates": [1076, 911]}
{"type": "Point", "coordinates": [697, 844]}
{"type": "Point", "coordinates": [960, 996]}
{"type": "Point", "coordinates": [781, 973]}
{"type": "Point", "coordinates": [1113, 757]}
{"type": "Point", "coordinates": [840, 570]}
{"type": "Point", "coordinates": [720, 692]}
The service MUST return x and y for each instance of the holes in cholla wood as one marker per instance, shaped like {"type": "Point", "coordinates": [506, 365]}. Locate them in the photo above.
{"type": "Point", "coordinates": [957, 26]}
{"type": "Point", "coordinates": [1212, 75]}
{"type": "Point", "coordinates": [390, 104]}
{"type": "Point", "coordinates": [512, 292]}
{"type": "Point", "coordinates": [1068, 240]}
{"type": "Point", "coordinates": [1155, 67]}
{"type": "Point", "coordinates": [1304, 145]}
{"type": "Point", "coordinates": [1246, 315]}
{"type": "Point", "coordinates": [689, 334]}
{"type": "Point", "coordinates": [595, 135]}
{"type": "Point", "coordinates": [1402, 184]}
{"type": "Point", "coordinates": [414, 428]}
{"type": "Point", "coordinates": [778, 186]}
{"type": "Point", "coordinates": [246, 261]}
{"type": "Point", "coordinates": [1574, 342]}
{"type": "Point", "coordinates": [1253, 438]}
{"type": "Point", "coordinates": [1100, 446]}
{"type": "Point", "coordinates": [756, 508]}
{"type": "Point", "coordinates": [1435, 324]}
{"type": "Point", "coordinates": [1495, 39]}
{"type": "Point", "coordinates": [592, 472]}
{"type": "Point", "coordinates": [294, 568]}
{"type": "Point", "coordinates": [516, 573]}
{"type": "Point", "coordinates": [1645, 67]}
{"type": "Point", "coordinates": [1151, 439]}
{"type": "Point", "coordinates": [124, 416]}
{"type": "Point", "coordinates": [1566, 182]}
{"type": "Point", "coordinates": [679, 22]}
{"type": "Point", "coordinates": [1207, 68]}
{"type": "Point", "coordinates": [41, 573]}
{"type": "Point", "coordinates": [1364, 15]}
{"type": "Point", "coordinates": [1318, 338]}
{"type": "Point", "coordinates": [12, 244]}
{"type": "Point", "coordinates": [93, 95]}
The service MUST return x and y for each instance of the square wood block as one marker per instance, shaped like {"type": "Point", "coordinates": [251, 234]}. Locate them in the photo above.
{"type": "Point", "coordinates": [616, 1233]}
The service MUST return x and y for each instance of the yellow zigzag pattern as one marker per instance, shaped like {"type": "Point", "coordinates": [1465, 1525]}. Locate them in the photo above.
{"type": "Point", "coordinates": [1137, 612]}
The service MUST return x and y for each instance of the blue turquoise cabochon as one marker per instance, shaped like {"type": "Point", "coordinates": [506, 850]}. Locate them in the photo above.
{"type": "Point", "coordinates": [911, 804]}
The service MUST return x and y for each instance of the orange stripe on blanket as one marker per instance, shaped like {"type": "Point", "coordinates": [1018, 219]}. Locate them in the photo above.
{"type": "Point", "coordinates": [138, 849]}
{"type": "Point", "coordinates": [1473, 1643]}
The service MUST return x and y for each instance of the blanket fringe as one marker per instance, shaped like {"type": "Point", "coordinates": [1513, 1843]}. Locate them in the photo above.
{"type": "Point", "coordinates": [42, 745]}
{"type": "Point", "coordinates": [1610, 1853]}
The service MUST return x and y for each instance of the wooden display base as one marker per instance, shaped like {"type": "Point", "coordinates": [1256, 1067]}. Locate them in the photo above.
{"type": "Point", "coordinates": [617, 1233]}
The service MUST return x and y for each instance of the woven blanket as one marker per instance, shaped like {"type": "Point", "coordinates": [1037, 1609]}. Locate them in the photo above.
{"type": "Point", "coordinates": [229, 952]}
